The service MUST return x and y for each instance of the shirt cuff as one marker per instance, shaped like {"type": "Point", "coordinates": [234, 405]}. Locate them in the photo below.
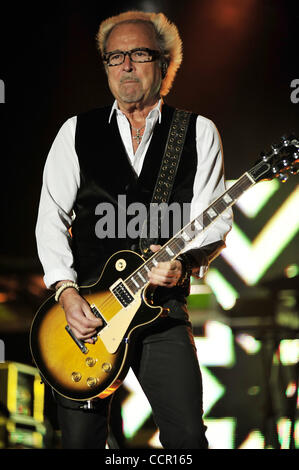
{"type": "Point", "coordinates": [56, 275]}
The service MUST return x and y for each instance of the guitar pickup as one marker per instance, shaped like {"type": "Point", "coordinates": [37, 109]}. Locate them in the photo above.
{"type": "Point", "coordinates": [122, 293]}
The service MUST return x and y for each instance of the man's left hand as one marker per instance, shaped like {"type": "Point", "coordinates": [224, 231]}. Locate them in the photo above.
{"type": "Point", "coordinates": [166, 273]}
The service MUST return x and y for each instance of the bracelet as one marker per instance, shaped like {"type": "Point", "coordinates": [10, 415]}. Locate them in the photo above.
{"type": "Point", "coordinates": [64, 286]}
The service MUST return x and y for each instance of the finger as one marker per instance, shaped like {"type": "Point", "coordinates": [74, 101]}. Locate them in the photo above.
{"type": "Point", "coordinates": [78, 334]}
{"type": "Point", "coordinates": [84, 327]}
{"type": "Point", "coordinates": [83, 333]}
{"type": "Point", "coordinates": [166, 266]}
{"type": "Point", "coordinates": [155, 248]}
{"type": "Point", "coordinates": [162, 279]}
{"type": "Point", "coordinates": [93, 321]}
{"type": "Point", "coordinates": [167, 274]}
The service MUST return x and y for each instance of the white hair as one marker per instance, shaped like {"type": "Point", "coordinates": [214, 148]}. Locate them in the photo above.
{"type": "Point", "coordinates": [167, 36]}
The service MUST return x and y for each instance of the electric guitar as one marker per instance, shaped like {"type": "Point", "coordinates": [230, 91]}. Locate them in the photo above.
{"type": "Point", "coordinates": [120, 297]}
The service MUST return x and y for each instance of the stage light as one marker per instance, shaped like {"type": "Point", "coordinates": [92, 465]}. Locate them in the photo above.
{"type": "Point", "coordinates": [248, 343]}
{"type": "Point", "coordinates": [220, 334]}
{"type": "Point", "coordinates": [213, 390]}
{"type": "Point", "coordinates": [283, 429]}
{"type": "Point", "coordinates": [220, 433]}
{"type": "Point", "coordinates": [291, 389]}
{"type": "Point", "coordinates": [225, 293]}
{"type": "Point", "coordinates": [155, 441]}
{"type": "Point", "coordinates": [289, 351]}
{"type": "Point", "coordinates": [251, 260]}
{"type": "Point", "coordinates": [292, 270]}
{"type": "Point", "coordinates": [135, 408]}
{"type": "Point", "coordinates": [256, 197]}
{"type": "Point", "coordinates": [254, 440]}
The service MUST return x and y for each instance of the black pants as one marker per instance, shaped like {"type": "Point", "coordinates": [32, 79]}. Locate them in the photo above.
{"type": "Point", "coordinates": [166, 365]}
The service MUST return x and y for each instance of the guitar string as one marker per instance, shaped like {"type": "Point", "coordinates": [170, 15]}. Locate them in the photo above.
{"type": "Point", "coordinates": [110, 299]}
{"type": "Point", "coordinates": [233, 191]}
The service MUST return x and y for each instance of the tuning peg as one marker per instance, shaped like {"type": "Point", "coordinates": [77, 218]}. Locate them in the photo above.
{"type": "Point", "coordinates": [293, 171]}
{"type": "Point", "coordinates": [285, 140]}
{"type": "Point", "coordinates": [275, 148]}
{"type": "Point", "coordinates": [283, 177]}
{"type": "Point", "coordinates": [264, 156]}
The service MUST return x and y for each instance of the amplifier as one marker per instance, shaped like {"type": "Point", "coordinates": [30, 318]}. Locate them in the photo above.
{"type": "Point", "coordinates": [21, 406]}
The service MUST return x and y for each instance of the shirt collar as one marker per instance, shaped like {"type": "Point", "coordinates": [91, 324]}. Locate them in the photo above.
{"type": "Point", "coordinates": [155, 111]}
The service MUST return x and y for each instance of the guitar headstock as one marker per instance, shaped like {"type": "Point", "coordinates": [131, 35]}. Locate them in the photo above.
{"type": "Point", "coordinates": [281, 161]}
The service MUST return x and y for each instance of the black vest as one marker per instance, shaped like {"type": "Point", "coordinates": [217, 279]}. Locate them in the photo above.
{"type": "Point", "coordinates": [106, 173]}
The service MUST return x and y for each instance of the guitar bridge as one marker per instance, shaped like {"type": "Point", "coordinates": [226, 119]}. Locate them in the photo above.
{"type": "Point", "coordinates": [77, 341]}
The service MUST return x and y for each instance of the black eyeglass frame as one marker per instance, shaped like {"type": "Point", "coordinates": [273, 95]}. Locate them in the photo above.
{"type": "Point", "coordinates": [154, 53]}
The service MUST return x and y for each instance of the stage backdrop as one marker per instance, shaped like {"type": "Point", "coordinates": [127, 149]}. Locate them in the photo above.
{"type": "Point", "coordinates": [240, 69]}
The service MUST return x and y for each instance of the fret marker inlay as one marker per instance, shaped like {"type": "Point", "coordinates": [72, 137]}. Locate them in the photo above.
{"type": "Point", "coordinates": [141, 277]}
{"type": "Point", "coordinates": [186, 236]}
{"type": "Point", "coordinates": [171, 253]}
{"type": "Point", "coordinates": [135, 282]}
{"type": "Point", "coordinates": [197, 225]}
{"type": "Point", "coordinates": [212, 213]}
{"type": "Point", "coordinates": [227, 198]}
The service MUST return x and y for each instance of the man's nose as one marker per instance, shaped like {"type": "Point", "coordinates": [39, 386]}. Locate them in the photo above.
{"type": "Point", "coordinates": [128, 64]}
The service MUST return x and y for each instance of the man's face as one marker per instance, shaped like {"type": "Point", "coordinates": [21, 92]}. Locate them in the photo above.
{"type": "Point", "coordinates": [133, 82]}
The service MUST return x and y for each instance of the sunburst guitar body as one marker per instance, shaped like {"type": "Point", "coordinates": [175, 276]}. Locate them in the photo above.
{"type": "Point", "coordinates": [82, 371]}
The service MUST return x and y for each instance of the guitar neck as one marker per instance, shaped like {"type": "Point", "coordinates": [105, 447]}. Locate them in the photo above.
{"type": "Point", "coordinates": [176, 245]}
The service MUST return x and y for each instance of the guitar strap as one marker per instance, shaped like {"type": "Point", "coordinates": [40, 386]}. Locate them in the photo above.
{"type": "Point", "coordinates": [166, 177]}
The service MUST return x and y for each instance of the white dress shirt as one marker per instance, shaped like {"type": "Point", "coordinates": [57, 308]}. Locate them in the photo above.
{"type": "Point", "coordinates": [61, 181]}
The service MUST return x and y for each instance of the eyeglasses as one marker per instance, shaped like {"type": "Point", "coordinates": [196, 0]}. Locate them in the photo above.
{"type": "Point", "coordinates": [140, 55]}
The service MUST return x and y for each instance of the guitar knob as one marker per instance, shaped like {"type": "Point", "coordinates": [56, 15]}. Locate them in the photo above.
{"type": "Point", "coordinates": [285, 140]}
{"type": "Point", "coordinates": [90, 362]}
{"type": "Point", "coordinates": [106, 366]}
{"type": "Point", "coordinates": [76, 376]}
{"type": "Point", "coordinates": [296, 156]}
{"type": "Point", "coordinates": [293, 171]}
{"type": "Point", "coordinates": [91, 381]}
{"type": "Point", "coordinates": [275, 148]}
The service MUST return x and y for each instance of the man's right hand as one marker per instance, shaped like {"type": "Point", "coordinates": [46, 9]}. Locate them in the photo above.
{"type": "Point", "coordinates": [78, 315]}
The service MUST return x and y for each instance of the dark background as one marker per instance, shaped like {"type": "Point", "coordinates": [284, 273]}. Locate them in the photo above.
{"type": "Point", "coordinates": [240, 57]}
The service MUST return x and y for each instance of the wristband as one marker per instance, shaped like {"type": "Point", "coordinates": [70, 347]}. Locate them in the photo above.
{"type": "Point", "coordinates": [64, 286]}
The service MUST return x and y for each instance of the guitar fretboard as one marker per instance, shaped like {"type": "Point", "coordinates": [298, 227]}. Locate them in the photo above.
{"type": "Point", "coordinates": [184, 237]}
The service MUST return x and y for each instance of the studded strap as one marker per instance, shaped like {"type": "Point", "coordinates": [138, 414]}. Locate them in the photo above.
{"type": "Point", "coordinates": [168, 171]}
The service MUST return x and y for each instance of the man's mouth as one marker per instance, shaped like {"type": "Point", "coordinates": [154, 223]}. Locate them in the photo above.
{"type": "Point", "coordinates": [129, 80]}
